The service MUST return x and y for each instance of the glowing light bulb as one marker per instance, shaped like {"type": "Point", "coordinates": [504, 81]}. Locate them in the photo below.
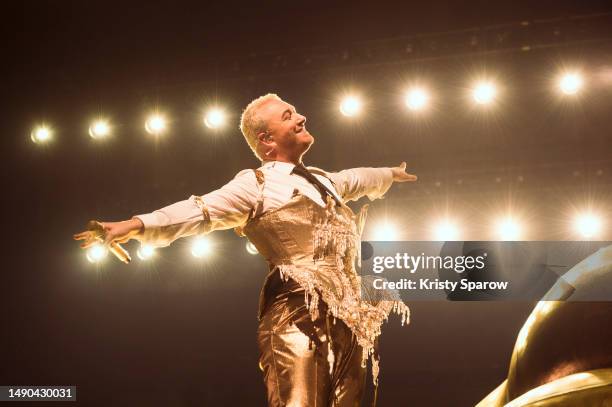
{"type": "Point", "coordinates": [155, 124]}
{"type": "Point", "coordinates": [416, 99]}
{"type": "Point", "coordinates": [484, 93]}
{"type": "Point", "coordinates": [201, 247]}
{"type": "Point", "coordinates": [350, 106]}
{"type": "Point", "coordinates": [99, 129]}
{"type": "Point", "coordinates": [41, 134]}
{"type": "Point", "coordinates": [385, 232]}
{"type": "Point", "coordinates": [215, 118]}
{"type": "Point", "coordinates": [588, 225]}
{"type": "Point", "coordinates": [446, 230]}
{"type": "Point", "coordinates": [96, 253]}
{"type": "Point", "coordinates": [508, 229]}
{"type": "Point", "coordinates": [570, 83]}
{"type": "Point", "coordinates": [145, 252]}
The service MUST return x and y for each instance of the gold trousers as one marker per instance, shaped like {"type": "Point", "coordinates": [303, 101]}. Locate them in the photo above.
{"type": "Point", "coordinates": [295, 357]}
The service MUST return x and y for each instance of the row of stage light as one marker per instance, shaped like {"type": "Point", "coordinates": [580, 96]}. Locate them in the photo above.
{"type": "Point", "coordinates": [585, 226]}
{"type": "Point", "coordinates": [483, 93]}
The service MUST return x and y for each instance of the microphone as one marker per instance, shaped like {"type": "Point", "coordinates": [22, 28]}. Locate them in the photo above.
{"type": "Point", "coordinates": [115, 248]}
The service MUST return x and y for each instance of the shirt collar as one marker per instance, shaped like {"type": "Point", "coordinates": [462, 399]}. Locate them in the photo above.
{"type": "Point", "coordinates": [281, 166]}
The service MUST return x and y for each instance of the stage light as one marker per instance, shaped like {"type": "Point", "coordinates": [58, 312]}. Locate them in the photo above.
{"type": "Point", "coordinates": [446, 230]}
{"type": "Point", "coordinates": [508, 229]}
{"type": "Point", "coordinates": [350, 106]}
{"type": "Point", "coordinates": [416, 99]}
{"type": "Point", "coordinates": [588, 225]}
{"type": "Point", "coordinates": [385, 232]}
{"type": "Point", "coordinates": [99, 129]}
{"type": "Point", "coordinates": [250, 247]}
{"type": "Point", "coordinates": [41, 134]}
{"type": "Point", "coordinates": [215, 118]}
{"type": "Point", "coordinates": [201, 247]}
{"type": "Point", "coordinates": [96, 253]}
{"type": "Point", "coordinates": [145, 252]}
{"type": "Point", "coordinates": [570, 83]}
{"type": "Point", "coordinates": [155, 124]}
{"type": "Point", "coordinates": [484, 93]}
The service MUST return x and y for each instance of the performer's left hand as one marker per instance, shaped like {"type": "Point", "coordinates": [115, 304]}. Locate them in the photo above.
{"type": "Point", "coordinates": [400, 174]}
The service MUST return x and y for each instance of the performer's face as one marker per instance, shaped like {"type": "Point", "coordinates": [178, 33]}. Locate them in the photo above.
{"type": "Point", "coordinates": [287, 132]}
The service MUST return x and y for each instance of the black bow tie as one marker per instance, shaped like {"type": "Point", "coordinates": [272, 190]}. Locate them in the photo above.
{"type": "Point", "coordinates": [302, 171]}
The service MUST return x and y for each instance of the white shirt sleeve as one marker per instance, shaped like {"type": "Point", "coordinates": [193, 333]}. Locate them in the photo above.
{"type": "Point", "coordinates": [224, 208]}
{"type": "Point", "coordinates": [354, 183]}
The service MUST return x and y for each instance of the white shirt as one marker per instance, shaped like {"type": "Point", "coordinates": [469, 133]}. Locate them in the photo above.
{"type": "Point", "coordinates": [230, 205]}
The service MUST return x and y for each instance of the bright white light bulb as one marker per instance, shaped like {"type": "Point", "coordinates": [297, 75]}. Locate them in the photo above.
{"type": "Point", "coordinates": [41, 134]}
{"type": "Point", "coordinates": [446, 230]}
{"type": "Point", "coordinates": [484, 93]}
{"type": "Point", "coordinates": [385, 232]}
{"type": "Point", "coordinates": [570, 83]}
{"type": "Point", "coordinates": [96, 253]}
{"type": "Point", "coordinates": [99, 129]}
{"type": "Point", "coordinates": [155, 124]}
{"type": "Point", "coordinates": [145, 252]}
{"type": "Point", "coordinates": [350, 106]}
{"type": "Point", "coordinates": [588, 225]}
{"type": "Point", "coordinates": [201, 247]}
{"type": "Point", "coordinates": [416, 99]}
{"type": "Point", "coordinates": [214, 119]}
{"type": "Point", "coordinates": [508, 229]}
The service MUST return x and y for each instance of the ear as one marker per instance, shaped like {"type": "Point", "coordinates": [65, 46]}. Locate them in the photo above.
{"type": "Point", "coordinates": [264, 138]}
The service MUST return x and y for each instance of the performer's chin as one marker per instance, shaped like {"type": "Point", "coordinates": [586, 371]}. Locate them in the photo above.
{"type": "Point", "coordinates": [308, 142]}
{"type": "Point", "coordinates": [308, 146]}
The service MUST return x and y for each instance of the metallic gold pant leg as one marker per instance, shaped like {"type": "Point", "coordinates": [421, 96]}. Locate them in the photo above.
{"type": "Point", "coordinates": [295, 369]}
{"type": "Point", "coordinates": [349, 377]}
{"type": "Point", "coordinates": [294, 357]}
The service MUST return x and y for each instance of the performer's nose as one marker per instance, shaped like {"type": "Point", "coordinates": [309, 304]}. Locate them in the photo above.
{"type": "Point", "coordinates": [301, 120]}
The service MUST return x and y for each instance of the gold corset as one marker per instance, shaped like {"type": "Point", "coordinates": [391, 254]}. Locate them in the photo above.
{"type": "Point", "coordinates": [316, 246]}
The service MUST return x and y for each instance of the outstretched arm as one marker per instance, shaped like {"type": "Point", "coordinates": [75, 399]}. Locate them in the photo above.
{"type": "Point", "coordinates": [355, 183]}
{"type": "Point", "coordinates": [223, 208]}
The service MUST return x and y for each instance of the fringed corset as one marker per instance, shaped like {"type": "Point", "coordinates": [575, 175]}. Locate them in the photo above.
{"type": "Point", "coordinates": [317, 246]}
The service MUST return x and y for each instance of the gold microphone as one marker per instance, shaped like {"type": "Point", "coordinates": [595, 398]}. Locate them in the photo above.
{"type": "Point", "coordinates": [115, 248]}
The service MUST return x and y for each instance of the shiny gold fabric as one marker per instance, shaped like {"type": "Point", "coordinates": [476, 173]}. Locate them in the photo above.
{"type": "Point", "coordinates": [296, 353]}
{"type": "Point", "coordinates": [315, 248]}
{"type": "Point", "coordinates": [563, 352]}
{"type": "Point", "coordinates": [592, 388]}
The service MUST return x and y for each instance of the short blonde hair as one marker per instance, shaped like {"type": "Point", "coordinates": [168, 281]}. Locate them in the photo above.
{"type": "Point", "coordinates": [251, 123]}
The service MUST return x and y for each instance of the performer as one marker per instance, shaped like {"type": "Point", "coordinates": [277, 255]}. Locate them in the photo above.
{"type": "Point", "coordinates": [316, 326]}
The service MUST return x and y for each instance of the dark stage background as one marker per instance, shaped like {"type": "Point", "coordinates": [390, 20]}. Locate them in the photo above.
{"type": "Point", "coordinates": [182, 332]}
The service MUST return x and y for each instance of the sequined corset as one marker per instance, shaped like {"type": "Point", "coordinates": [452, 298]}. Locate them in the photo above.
{"type": "Point", "coordinates": [317, 246]}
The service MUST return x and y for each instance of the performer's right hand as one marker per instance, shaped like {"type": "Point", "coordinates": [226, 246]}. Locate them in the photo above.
{"type": "Point", "coordinates": [119, 232]}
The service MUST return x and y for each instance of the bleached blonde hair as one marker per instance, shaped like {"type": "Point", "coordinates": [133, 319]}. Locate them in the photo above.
{"type": "Point", "coordinates": [251, 124]}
